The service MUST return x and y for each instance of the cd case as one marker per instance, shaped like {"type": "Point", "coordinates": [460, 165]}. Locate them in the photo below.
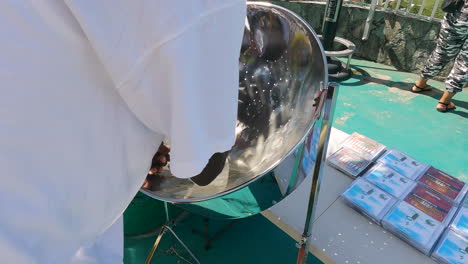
{"type": "Point", "coordinates": [414, 226]}
{"type": "Point", "coordinates": [420, 218]}
{"type": "Point", "coordinates": [403, 164]}
{"type": "Point", "coordinates": [364, 146]}
{"type": "Point", "coordinates": [349, 162]}
{"type": "Point", "coordinates": [368, 199]}
{"type": "Point", "coordinates": [389, 180]}
{"type": "Point", "coordinates": [444, 184]}
{"type": "Point", "coordinates": [451, 249]}
{"type": "Point", "coordinates": [431, 203]}
{"type": "Point", "coordinates": [460, 222]}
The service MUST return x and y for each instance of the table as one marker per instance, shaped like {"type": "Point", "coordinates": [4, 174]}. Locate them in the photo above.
{"type": "Point", "coordinates": [339, 233]}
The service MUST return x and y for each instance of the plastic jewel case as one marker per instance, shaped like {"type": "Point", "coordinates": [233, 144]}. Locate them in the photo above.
{"type": "Point", "coordinates": [419, 218]}
{"type": "Point", "coordinates": [403, 164]}
{"type": "Point", "coordinates": [368, 199]}
{"type": "Point", "coordinates": [453, 245]}
{"type": "Point", "coordinates": [364, 146]}
{"type": "Point", "coordinates": [389, 180]}
{"type": "Point", "coordinates": [444, 184]}
{"type": "Point", "coordinates": [460, 222]}
{"type": "Point", "coordinates": [349, 162]}
{"type": "Point", "coordinates": [451, 249]}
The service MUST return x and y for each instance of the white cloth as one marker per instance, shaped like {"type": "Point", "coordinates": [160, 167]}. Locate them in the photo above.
{"type": "Point", "coordinates": [108, 248]}
{"type": "Point", "coordinates": [89, 89]}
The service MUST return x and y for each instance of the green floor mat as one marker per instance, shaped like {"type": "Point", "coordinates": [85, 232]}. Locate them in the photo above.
{"type": "Point", "coordinates": [249, 240]}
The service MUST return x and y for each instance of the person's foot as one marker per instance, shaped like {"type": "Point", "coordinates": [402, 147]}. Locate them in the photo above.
{"type": "Point", "coordinates": [445, 103]}
{"type": "Point", "coordinates": [420, 86]}
{"type": "Point", "coordinates": [418, 89]}
{"type": "Point", "coordinates": [445, 107]}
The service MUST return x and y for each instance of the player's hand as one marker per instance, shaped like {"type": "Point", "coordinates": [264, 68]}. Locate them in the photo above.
{"type": "Point", "coordinates": [160, 159]}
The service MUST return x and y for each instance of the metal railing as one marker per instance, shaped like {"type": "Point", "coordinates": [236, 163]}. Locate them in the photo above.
{"type": "Point", "coordinates": [420, 9]}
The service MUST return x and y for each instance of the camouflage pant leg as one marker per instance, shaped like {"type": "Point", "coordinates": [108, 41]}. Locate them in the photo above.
{"type": "Point", "coordinates": [452, 37]}
{"type": "Point", "coordinates": [458, 77]}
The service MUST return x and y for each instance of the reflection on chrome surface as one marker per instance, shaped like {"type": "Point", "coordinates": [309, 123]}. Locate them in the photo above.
{"type": "Point", "coordinates": [281, 70]}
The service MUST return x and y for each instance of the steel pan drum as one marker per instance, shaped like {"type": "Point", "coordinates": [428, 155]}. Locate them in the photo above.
{"type": "Point", "coordinates": [281, 72]}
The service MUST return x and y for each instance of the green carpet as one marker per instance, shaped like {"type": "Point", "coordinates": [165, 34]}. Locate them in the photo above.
{"type": "Point", "coordinates": [378, 103]}
{"type": "Point", "coordinates": [250, 240]}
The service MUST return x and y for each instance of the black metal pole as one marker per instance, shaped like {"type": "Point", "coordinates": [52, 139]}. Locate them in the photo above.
{"type": "Point", "coordinates": [336, 71]}
{"type": "Point", "coordinates": [330, 22]}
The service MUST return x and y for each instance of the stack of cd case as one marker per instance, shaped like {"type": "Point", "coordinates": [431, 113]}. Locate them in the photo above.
{"type": "Point", "coordinates": [356, 154]}
{"type": "Point", "coordinates": [460, 222]}
{"type": "Point", "coordinates": [349, 162]}
{"type": "Point", "coordinates": [413, 200]}
{"type": "Point", "coordinates": [420, 218]}
{"type": "Point", "coordinates": [367, 148]}
{"type": "Point", "coordinates": [444, 184]}
{"type": "Point", "coordinates": [403, 164]}
{"type": "Point", "coordinates": [368, 199]}
{"type": "Point", "coordinates": [389, 180]}
{"type": "Point", "coordinates": [453, 245]}
{"type": "Point", "coordinates": [451, 249]}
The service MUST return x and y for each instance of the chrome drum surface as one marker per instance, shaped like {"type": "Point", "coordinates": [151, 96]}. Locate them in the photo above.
{"type": "Point", "coordinates": [281, 72]}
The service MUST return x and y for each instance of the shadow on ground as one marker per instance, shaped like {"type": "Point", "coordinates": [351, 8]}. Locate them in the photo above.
{"type": "Point", "coordinates": [363, 77]}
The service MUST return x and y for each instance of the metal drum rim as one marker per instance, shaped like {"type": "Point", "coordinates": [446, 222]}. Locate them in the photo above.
{"type": "Point", "coordinates": [274, 165]}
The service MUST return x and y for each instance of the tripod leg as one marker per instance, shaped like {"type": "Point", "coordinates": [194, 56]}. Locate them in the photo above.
{"type": "Point", "coordinates": [156, 244]}
{"type": "Point", "coordinates": [182, 243]}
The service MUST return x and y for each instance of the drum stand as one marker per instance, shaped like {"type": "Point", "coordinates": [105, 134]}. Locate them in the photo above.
{"type": "Point", "coordinates": [206, 234]}
{"type": "Point", "coordinates": [327, 108]}
{"type": "Point", "coordinates": [168, 227]}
